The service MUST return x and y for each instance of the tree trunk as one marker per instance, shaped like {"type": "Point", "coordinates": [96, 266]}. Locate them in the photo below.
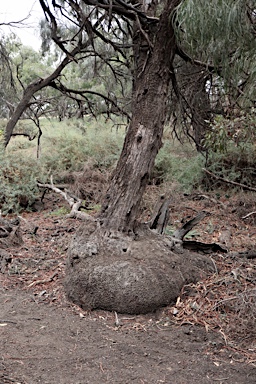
{"type": "Point", "coordinates": [154, 58]}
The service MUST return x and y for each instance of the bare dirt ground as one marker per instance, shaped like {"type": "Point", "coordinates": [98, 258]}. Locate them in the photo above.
{"type": "Point", "coordinates": [207, 336]}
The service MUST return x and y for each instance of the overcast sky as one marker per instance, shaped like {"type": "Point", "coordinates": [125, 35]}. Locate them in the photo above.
{"type": "Point", "coordinates": [15, 10]}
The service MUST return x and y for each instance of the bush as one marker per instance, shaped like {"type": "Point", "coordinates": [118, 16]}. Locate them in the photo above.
{"type": "Point", "coordinates": [71, 149]}
{"type": "Point", "coordinates": [183, 168]}
{"type": "Point", "coordinates": [65, 149]}
{"type": "Point", "coordinates": [236, 164]}
{"type": "Point", "coordinates": [18, 187]}
{"type": "Point", "coordinates": [232, 150]}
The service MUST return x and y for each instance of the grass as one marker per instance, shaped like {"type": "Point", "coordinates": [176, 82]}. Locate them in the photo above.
{"type": "Point", "coordinates": [70, 145]}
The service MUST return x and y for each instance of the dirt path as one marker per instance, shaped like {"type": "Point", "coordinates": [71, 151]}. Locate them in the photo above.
{"type": "Point", "coordinates": [44, 339]}
{"type": "Point", "coordinates": [42, 343]}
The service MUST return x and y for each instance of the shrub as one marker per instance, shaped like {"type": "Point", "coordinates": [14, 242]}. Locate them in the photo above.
{"type": "Point", "coordinates": [18, 187]}
{"type": "Point", "coordinates": [236, 164]}
{"type": "Point", "coordinates": [183, 168]}
{"type": "Point", "coordinates": [232, 150]}
{"type": "Point", "coordinates": [71, 149]}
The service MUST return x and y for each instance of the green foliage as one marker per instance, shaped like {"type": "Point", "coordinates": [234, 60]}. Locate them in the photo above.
{"type": "Point", "coordinates": [66, 146]}
{"type": "Point", "coordinates": [228, 133]}
{"type": "Point", "coordinates": [18, 176]}
{"type": "Point", "coordinates": [231, 150]}
{"type": "Point", "coordinates": [74, 142]}
{"type": "Point", "coordinates": [183, 167]}
{"type": "Point", "coordinates": [236, 164]}
{"type": "Point", "coordinates": [221, 33]}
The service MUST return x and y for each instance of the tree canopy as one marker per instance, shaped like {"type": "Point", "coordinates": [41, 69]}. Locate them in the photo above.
{"type": "Point", "coordinates": [99, 43]}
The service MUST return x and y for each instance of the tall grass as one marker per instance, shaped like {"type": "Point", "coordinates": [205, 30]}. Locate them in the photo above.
{"type": "Point", "coordinates": [69, 145]}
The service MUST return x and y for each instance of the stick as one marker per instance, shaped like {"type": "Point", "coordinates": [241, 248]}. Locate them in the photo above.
{"type": "Point", "coordinates": [44, 280]}
{"type": "Point", "coordinates": [229, 181]}
{"type": "Point", "coordinates": [249, 214]}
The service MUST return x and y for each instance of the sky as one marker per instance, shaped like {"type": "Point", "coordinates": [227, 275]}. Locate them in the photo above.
{"type": "Point", "coordinates": [15, 10]}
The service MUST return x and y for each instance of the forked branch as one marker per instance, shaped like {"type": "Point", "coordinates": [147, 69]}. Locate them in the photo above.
{"type": "Point", "coordinates": [74, 202]}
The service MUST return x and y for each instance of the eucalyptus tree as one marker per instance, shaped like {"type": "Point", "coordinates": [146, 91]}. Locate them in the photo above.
{"type": "Point", "coordinates": [7, 77]}
{"type": "Point", "coordinates": [147, 37]}
{"type": "Point", "coordinates": [218, 37]}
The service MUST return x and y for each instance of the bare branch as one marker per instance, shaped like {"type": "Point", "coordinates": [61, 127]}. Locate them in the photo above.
{"type": "Point", "coordinates": [244, 186]}
{"type": "Point", "coordinates": [74, 202]}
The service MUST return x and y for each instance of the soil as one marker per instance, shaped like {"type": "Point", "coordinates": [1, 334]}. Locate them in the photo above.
{"type": "Point", "coordinates": [46, 339]}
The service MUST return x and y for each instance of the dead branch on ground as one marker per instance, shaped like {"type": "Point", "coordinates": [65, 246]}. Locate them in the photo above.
{"type": "Point", "coordinates": [180, 233]}
{"type": "Point", "coordinates": [74, 202]}
{"type": "Point", "coordinates": [244, 186]}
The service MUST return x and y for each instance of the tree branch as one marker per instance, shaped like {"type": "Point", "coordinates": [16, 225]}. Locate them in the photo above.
{"type": "Point", "coordinates": [74, 202]}
{"type": "Point", "coordinates": [244, 186]}
{"type": "Point", "coordinates": [183, 55]}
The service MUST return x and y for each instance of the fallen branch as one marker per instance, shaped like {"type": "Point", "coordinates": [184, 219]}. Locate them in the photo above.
{"type": "Point", "coordinates": [250, 254]}
{"type": "Point", "coordinates": [74, 202]}
{"type": "Point", "coordinates": [206, 248]}
{"type": "Point", "coordinates": [244, 186]}
{"type": "Point", "coordinates": [43, 281]}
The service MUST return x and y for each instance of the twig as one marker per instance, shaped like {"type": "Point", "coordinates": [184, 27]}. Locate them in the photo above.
{"type": "Point", "coordinates": [249, 214]}
{"type": "Point", "coordinates": [244, 186]}
{"type": "Point", "coordinates": [43, 281]}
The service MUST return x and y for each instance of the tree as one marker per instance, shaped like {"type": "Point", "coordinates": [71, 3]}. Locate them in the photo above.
{"type": "Point", "coordinates": [115, 279]}
{"type": "Point", "coordinates": [155, 43]}
{"type": "Point", "coordinates": [106, 266]}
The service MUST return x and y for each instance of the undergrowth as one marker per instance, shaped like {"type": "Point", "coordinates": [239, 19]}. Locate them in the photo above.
{"type": "Point", "coordinates": [71, 145]}
{"type": "Point", "coordinates": [18, 188]}
{"type": "Point", "coordinates": [232, 150]}
{"type": "Point", "coordinates": [236, 164]}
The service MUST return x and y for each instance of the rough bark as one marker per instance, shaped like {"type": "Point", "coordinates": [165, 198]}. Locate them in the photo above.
{"type": "Point", "coordinates": [154, 56]}
{"type": "Point", "coordinates": [120, 274]}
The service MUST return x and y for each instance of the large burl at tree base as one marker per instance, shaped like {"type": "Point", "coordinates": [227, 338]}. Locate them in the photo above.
{"type": "Point", "coordinates": [128, 275]}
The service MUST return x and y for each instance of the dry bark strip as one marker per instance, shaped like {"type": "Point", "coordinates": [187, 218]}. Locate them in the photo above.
{"type": "Point", "coordinates": [180, 233]}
